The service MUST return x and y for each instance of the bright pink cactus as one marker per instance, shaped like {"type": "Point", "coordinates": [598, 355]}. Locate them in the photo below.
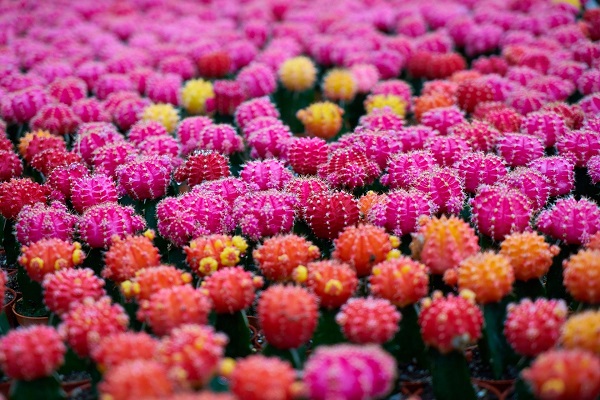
{"type": "Point", "coordinates": [306, 154]}
{"type": "Point", "coordinates": [399, 211]}
{"type": "Point", "coordinates": [271, 141]}
{"type": "Point", "coordinates": [128, 112]}
{"type": "Point", "coordinates": [107, 158]}
{"type": "Point", "coordinates": [403, 168]}
{"type": "Point", "coordinates": [221, 138]}
{"type": "Point", "coordinates": [589, 82]}
{"type": "Point", "coordinates": [164, 88]}
{"type": "Point", "coordinates": [530, 182]}
{"type": "Point", "coordinates": [90, 110]}
{"type": "Point", "coordinates": [553, 87]}
{"type": "Point", "coordinates": [68, 90]}
{"type": "Point", "coordinates": [23, 105]}
{"type": "Point", "coordinates": [382, 119]}
{"type": "Point", "coordinates": [143, 130]}
{"type": "Point", "coordinates": [162, 146]}
{"type": "Point", "coordinates": [92, 136]}
{"type": "Point", "coordinates": [145, 178]}
{"type": "Point", "coordinates": [328, 214]}
{"type": "Point", "coordinates": [10, 165]}
{"type": "Point", "coordinates": [590, 104]}
{"type": "Point", "coordinates": [112, 83]}
{"type": "Point", "coordinates": [188, 132]}
{"type": "Point", "coordinates": [559, 171]}
{"type": "Point", "coordinates": [593, 169]}
{"type": "Point", "coordinates": [479, 168]}
{"type": "Point", "coordinates": [228, 96]}
{"type": "Point", "coordinates": [498, 211]}
{"type": "Point", "coordinates": [265, 213]}
{"type": "Point", "coordinates": [61, 178]}
{"type": "Point", "coordinates": [379, 146]}
{"type": "Point", "coordinates": [251, 109]}
{"type": "Point", "coordinates": [229, 188]}
{"type": "Point", "coordinates": [38, 221]}
{"type": "Point", "coordinates": [260, 123]}
{"type": "Point", "coordinates": [349, 168]}
{"type": "Point", "coordinates": [265, 175]}
{"type": "Point", "coordinates": [444, 187]}
{"type": "Point", "coordinates": [579, 146]}
{"type": "Point", "coordinates": [257, 80]}
{"type": "Point", "coordinates": [519, 149]}
{"type": "Point", "coordinates": [68, 287]}
{"type": "Point", "coordinates": [546, 125]}
{"type": "Point", "coordinates": [179, 65]}
{"type": "Point", "coordinates": [303, 188]}
{"type": "Point", "coordinates": [447, 149]}
{"type": "Point", "coordinates": [203, 166]}
{"type": "Point", "coordinates": [90, 72]}
{"type": "Point", "coordinates": [480, 135]}
{"type": "Point", "coordinates": [100, 223]}
{"type": "Point", "coordinates": [572, 221]}
{"type": "Point", "coordinates": [92, 190]}
{"type": "Point", "coordinates": [442, 119]}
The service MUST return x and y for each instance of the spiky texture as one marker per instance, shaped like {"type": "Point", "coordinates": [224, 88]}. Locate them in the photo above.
{"type": "Point", "coordinates": [450, 323]}
{"type": "Point", "coordinates": [399, 211]}
{"type": "Point", "coordinates": [328, 214]}
{"type": "Point", "coordinates": [48, 255]}
{"type": "Point", "coordinates": [333, 282]}
{"type": "Point", "coordinates": [99, 224]}
{"type": "Point", "coordinates": [257, 80]}
{"type": "Point", "coordinates": [31, 353]}
{"type": "Point", "coordinates": [559, 172]}
{"type": "Point", "coordinates": [203, 166]}
{"type": "Point", "coordinates": [68, 90]}
{"type": "Point", "coordinates": [581, 276]}
{"type": "Point", "coordinates": [590, 104]}
{"type": "Point", "coordinates": [444, 188]}
{"type": "Point", "coordinates": [298, 74]}
{"type": "Point", "coordinates": [265, 175]}
{"type": "Point", "coordinates": [107, 158]}
{"type": "Point", "coordinates": [137, 379]}
{"type": "Point", "coordinates": [145, 178]}
{"type": "Point", "coordinates": [499, 211]}
{"type": "Point", "coordinates": [379, 146]}
{"type": "Point", "coordinates": [93, 136]}
{"type": "Point", "coordinates": [306, 154]}
{"type": "Point", "coordinates": [382, 119]}
{"type": "Point", "coordinates": [303, 188]}
{"type": "Point", "coordinates": [349, 168]}
{"type": "Point", "coordinates": [260, 123]}
{"type": "Point", "coordinates": [87, 322]}
{"type": "Point", "coordinates": [18, 193]}
{"type": "Point", "coordinates": [57, 119]}
{"type": "Point", "coordinates": [447, 149]}
{"type": "Point", "coordinates": [119, 348]}
{"type": "Point", "coordinates": [21, 106]}
{"type": "Point", "coordinates": [231, 289]}
{"type": "Point", "coordinates": [39, 221]}
{"type": "Point", "coordinates": [270, 141]}
{"type": "Point", "coordinates": [221, 138]}
{"type": "Point", "coordinates": [519, 149]}
{"type": "Point", "coordinates": [480, 168]}
{"type": "Point", "coordinates": [593, 169]}
{"type": "Point", "coordinates": [579, 146]}
{"type": "Point", "coordinates": [127, 112]}
{"type": "Point", "coordinates": [488, 275]}
{"type": "Point", "coordinates": [128, 255]}
{"type": "Point", "coordinates": [572, 114]}
{"type": "Point", "coordinates": [10, 165]}
{"type": "Point", "coordinates": [532, 183]}
{"type": "Point", "coordinates": [61, 178]}
{"type": "Point", "coordinates": [572, 221]}
{"type": "Point", "coordinates": [503, 119]}
{"type": "Point", "coordinates": [288, 315]}
{"type": "Point", "coordinates": [261, 378]}
{"type": "Point", "coordinates": [424, 103]}
{"type": "Point", "coordinates": [564, 375]}
{"type": "Point", "coordinates": [529, 255]}
{"type": "Point", "coordinates": [265, 213]}
{"type": "Point", "coordinates": [546, 125]}
{"type": "Point", "coordinates": [404, 168]}
{"type": "Point", "coordinates": [164, 88]}
{"type": "Point", "coordinates": [148, 281]}
{"type": "Point", "coordinates": [214, 64]}
{"type": "Point", "coordinates": [442, 119]}
{"type": "Point", "coordinates": [322, 119]}
{"type": "Point", "coordinates": [143, 130]}
{"type": "Point", "coordinates": [68, 287]}
{"type": "Point", "coordinates": [89, 191]}
{"type": "Point", "coordinates": [432, 65]}
{"type": "Point", "coordinates": [278, 256]}
{"type": "Point", "coordinates": [481, 136]}
{"type": "Point", "coordinates": [254, 108]}
{"type": "Point", "coordinates": [368, 320]}
{"type": "Point", "coordinates": [49, 159]}
{"type": "Point", "coordinates": [174, 306]}
{"type": "Point", "coordinates": [581, 332]}
{"type": "Point", "coordinates": [532, 328]}
{"type": "Point", "coordinates": [112, 83]}
{"type": "Point", "coordinates": [339, 85]}
{"type": "Point", "coordinates": [349, 372]}
{"type": "Point", "coordinates": [401, 281]}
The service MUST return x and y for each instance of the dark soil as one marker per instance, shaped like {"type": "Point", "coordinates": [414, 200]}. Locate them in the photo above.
{"type": "Point", "coordinates": [75, 376]}
{"type": "Point", "coordinates": [481, 370]}
{"type": "Point", "coordinates": [83, 394]}
{"type": "Point", "coordinates": [31, 310]}
{"type": "Point", "coordinates": [8, 297]}
{"type": "Point", "coordinates": [13, 283]}
{"type": "Point", "coordinates": [413, 373]}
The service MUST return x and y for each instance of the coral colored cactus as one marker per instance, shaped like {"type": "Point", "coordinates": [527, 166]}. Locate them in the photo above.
{"type": "Point", "coordinates": [265, 213]}
{"type": "Point", "coordinates": [87, 322]}
{"type": "Point", "coordinates": [128, 255]}
{"type": "Point", "coordinates": [480, 135]}
{"type": "Point", "coordinates": [328, 214]}
{"type": "Point", "coordinates": [442, 243]}
{"type": "Point", "coordinates": [231, 289]}
{"type": "Point", "coordinates": [101, 223]}
{"type": "Point", "coordinates": [174, 306]}
{"type": "Point", "coordinates": [332, 282]}
{"type": "Point", "coordinates": [424, 103]}
{"type": "Point", "coordinates": [564, 375]}
{"type": "Point", "coordinates": [581, 276]}
{"type": "Point", "coordinates": [278, 256]}
{"type": "Point", "coordinates": [203, 166]}
{"type": "Point", "coordinates": [192, 354]}
{"type": "Point", "coordinates": [558, 171]}
{"type": "Point", "coordinates": [67, 287]}
{"type": "Point", "coordinates": [298, 74]}
{"type": "Point", "coordinates": [572, 221]}
{"type": "Point", "coordinates": [349, 372]}
{"type": "Point", "coordinates": [207, 254]}
{"type": "Point", "coordinates": [165, 114]}
{"type": "Point", "coordinates": [488, 275]}
{"type": "Point", "coordinates": [265, 174]}
{"type": "Point", "coordinates": [89, 191]}
{"type": "Point", "coordinates": [10, 165]}
{"type": "Point", "coordinates": [137, 379]}
{"type": "Point", "coordinates": [146, 177]}
{"type": "Point", "coordinates": [214, 64]}
{"type": "Point", "coordinates": [31, 353]}
{"type": "Point", "coordinates": [119, 348]}
{"type": "Point", "coordinates": [40, 221]}
{"type": "Point", "coordinates": [306, 154]}
{"type": "Point", "coordinates": [322, 119]}
{"type": "Point", "coordinates": [499, 211]}
{"type": "Point", "coordinates": [262, 378]}
{"type": "Point", "coordinates": [363, 246]}
{"type": "Point", "coordinates": [400, 280]}
{"type": "Point", "coordinates": [148, 281]}
{"type": "Point", "coordinates": [529, 254]}
{"type": "Point", "coordinates": [534, 327]}
{"type": "Point", "coordinates": [49, 255]}
{"type": "Point", "coordinates": [288, 315]}
{"type": "Point", "coordinates": [368, 320]}
{"type": "Point", "coordinates": [444, 187]}
{"type": "Point", "coordinates": [18, 193]}
{"type": "Point", "coordinates": [450, 323]}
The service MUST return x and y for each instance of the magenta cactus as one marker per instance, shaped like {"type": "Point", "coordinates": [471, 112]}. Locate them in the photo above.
{"type": "Point", "coordinates": [555, 88]}
{"type": "Point", "coordinates": [348, 372]}
{"type": "Point", "coordinates": [568, 70]}
{"type": "Point", "coordinates": [593, 169]}
{"type": "Point", "coordinates": [442, 119]}
{"type": "Point", "coordinates": [92, 190]}
{"type": "Point", "coordinates": [444, 187]}
{"type": "Point", "coordinates": [112, 83]}
{"type": "Point", "coordinates": [220, 137]}
{"type": "Point", "coordinates": [447, 149]}
{"type": "Point", "coordinates": [260, 123]}
{"type": "Point", "coordinates": [21, 106]}
{"type": "Point", "coordinates": [572, 221]}
{"type": "Point", "coordinates": [381, 119]}
{"type": "Point", "coordinates": [107, 158]}
{"type": "Point", "coordinates": [415, 137]}
{"type": "Point", "coordinates": [479, 135]}
{"type": "Point", "coordinates": [188, 132]}
{"type": "Point", "coordinates": [519, 149]}
{"type": "Point", "coordinates": [403, 168]}
{"type": "Point", "coordinates": [400, 210]}
{"type": "Point", "coordinates": [68, 90]}
{"type": "Point", "coordinates": [99, 224]}
{"type": "Point", "coordinates": [546, 125]}
{"type": "Point", "coordinates": [228, 96]}
{"type": "Point", "coordinates": [504, 119]}
{"type": "Point", "coordinates": [265, 175]}
{"type": "Point", "coordinates": [146, 177]}
{"type": "Point", "coordinates": [590, 105]}
{"type": "Point", "coordinates": [229, 188]}
{"type": "Point", "coordinates": [559, 172]}
{"type": "Point", "coordinates": [498, 211]}
{"type": "Point", "coordinates": [61, 178]}
{"type": "Point", "coordinates": [92, 136]}
{"type": "Point", "coordinates": [176, 64]}
{"type": "Point", "coordinates": [143, 130]}
{"type": "Point", "coordinates": [10, 165]}
{"type": "Point", "coordinates": [306, 154]}
{"type": "Point", "coordinates": [579, 146]}
{"type": "Point", "coordinates": [303, 188]}
{"type": "Point", "coordinates": [531, 183]}
{"type": "Point", "coordinates": [269, 142]}
{"type": "Point", "coordinates": [90, 110]}
{"type": "Point", "coordinates": [394, 87]}
{"type": "Point", "coordinates": [39, 221]}
{"type": "Point", "coordinates": [257, 80]}
{"type": "Point", "coordinates": [379, 145]}
{"type": "Point", "coordinates": [58, 119]}
{"type": "Point", "coordinates": [162, 146]}
{"type": "Point", "coordinates": [127, 112]}
{"type": "Point", "coordinates": [251, 109]}
{"type": "Point", "coordinates": [265, 213]}
{"type": "Point", "coordinates": [480, 168]}
{"type": "Point", "coordinates": [349, 168]}
{"type": "Point", "coordinates": [589, 82]}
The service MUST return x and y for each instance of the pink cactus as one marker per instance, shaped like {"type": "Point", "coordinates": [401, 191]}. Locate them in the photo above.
{"type": "Point", "coordinates": [61, 178]}
{"type": "Point", "coordinates": [479, 168]}
{"type": "Point", "coordinates": [572, 221]}
{"type": "Point", "coordinates": [306, 154]}
{"type": "Point", "coordinates": [379, 145]}
{"type": "Point", "coordinates": [519, 149]}
{"type": "Point", "coordinates": [203, 166]}
{"type": "Point", "coordinates": [162, 146]}
{"type": "Point", "coordinates": [399, 211]}
{"type": "Point", "coordinates": [229, 188]}
{"type": "Point", "coordinates": [415, 137]}
{"type": "Point", "coordinates": [532, 183]}
{"type": "Point", "coordinates": [444, 187]}
{"type": "Point", "coordinates": [92, 190]}
{"type": "Point", "coordinates": [447, 149]}
{"type": "Point", "coordinates": [257, 80]}
{"type": "Point", "coordinates": [90, 72]}
{"type": "Point", "coordinates": [265, 213]}
{"type": "Point", "coordinates": [68, 287]}
{"type": "Point", "coordinates": [559, 172]}
{"type": "Point", "coordinates": [221, 138]}
{"type": "Point", "coordinates": [179, 65]}
{"type": "Point", "coordinates": [164, 88]}
{"type": "Point", "coordinates": [589, 82]}
{"type": "Point", "coordinates": [568, 70]}
{"type": "Point", "coordinates": [21, 106]}
{"type": "Point", "coordinates": [368, 320]}
{"type": "Point", "coordinates": [480, 135]}
{"type": "Point", "coordinates": [145, 178]}
{"type": "Point", "coordinates": [593, 169]}
{"type": "Point", "coordinates": [271, 141]}
{"type": "Point", "coordinates": [260, 123]}
{"type": "Point", "coordinates": [128, 112]}
{"type": "Point", "coordinates": [555, 88]}
{"type": "Point", "coordinates": [590, 104]}
{"type": "Point", "coordinates": [579, 146]}
{"type": "Point", "coordinates": [112, 83]}
{"type": "Point", "coordinates": [228, 96]}
{"type": "Point", "coordinates": [265, 175]}
{"type": "Point", "coordinates": [107, 158]}
{"type": "Point", "coordinates": [92, 136]}
{"type": "Point", "coordinates": [68, 90]}
{"type": "Point", "coordinates": [546, 125]}
{"type": "Point", "coordinates": [382, 119]}
{"type": "Point", "coordinates": [90, 110]}
{"type": "Point", "coordinates": [442, 119]}
{"type": "Point", "coordinates": [349, 168]}
{"type": "Point", "coordinates": [100, 223]}
{"type": "Point", "coordinates": [58, 119]}
{"type": "Point", "coordinates": [251, 109]}
{"type": "Point", "coordinates": [143, 130]}
{"type": "Point", "coordinates": [303, 188]}
{"type": "Point", "coordinates": [10, 165]}
{"type": "Point", "coordinates": [188, 132]}
{"type": "Point", "coordinates": [39, 221]}
{"type": "Point", "coordinates": [498, 211]}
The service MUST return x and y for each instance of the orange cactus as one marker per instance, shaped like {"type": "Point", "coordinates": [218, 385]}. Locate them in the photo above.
{"type": "Point", "coordinates": [231, 289]}
{"type": "Point", "coordinates": [119, 348]}
{"type": "Point", "coordinates": [50, 255]}
{"type": "Point", "coordinates": [593, 242]}
{"type": "Point", "coordinates": [208, 254]}
{"type": "Point", "coordinates": [488, 275]}
{"type": "Point", "coordinates": [260, 378]}
{"type": "Point", "coordinates": [442, 243]}
{"type": "Point", "coordinates": [582, 276]}
{"type": "Point", "coordinates": [136, 379]}
{"type": "Point", "coordinates": [529, 254]}
{"type": "Point", "coordinates": [280, 255]}
{"type": "Point", "coordinates": [582, 331]}
{"type": "Point", "coordinates": [402, 281]}
{"type": "Point", "coordinates": [366, 202]}
{"type": "Point", "coordinates": [148, 281]}
{"type": "Point", "coordinates": [127, 256]}
{"type": "Point", "coordinates": [323, 119]}
{"type": "Point", "coordinates": [363, 247]}
{"type": "Point", "coordinates": [332, 281]}
{"type": "Point", "coordinates": [425, 103]}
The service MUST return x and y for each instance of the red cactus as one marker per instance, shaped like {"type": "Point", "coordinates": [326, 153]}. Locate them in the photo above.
{"type": "Point", "coordinates": [368, 320]}
{"type": "Point", "coordinates": [328, 214]}
{"type": "Point", "coordinates": [202, 166]}
{"type": "Point", "coordinates": [231, 289]}
{"type": "Point", "coordinates": [137, 379]}
{"type": "Point", "coordinates": [400, 280]}
{"type": "Point", "coordinates": [67, 287]}
{"type": "Point", "coordinates": [18, 193]}
{"type": "Point", "coordinates": [260, 378]}
{"type": "Point", "coordinates": [119, 348]}
{"type": "Point", "coordinates": [278, 256]}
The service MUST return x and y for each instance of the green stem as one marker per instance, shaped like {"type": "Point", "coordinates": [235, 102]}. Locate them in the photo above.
{"type": "Point", "coordinates": [328, 331]}
{"type": "Point", "coordinates": [4, 324]}
{"type": "Point", "coordinates": [493, 342]}
{"type": "Point", "coordinates": [43, 388]}
{"type": "Point", "coordinates": [11, 247]}
{"type": "Point", "coordinates": [450, 376]}
{"type": "Point", "coordinates": [31, 290]}
{"type": "Point", "coordinates": [407, 346]}
{"type": "Point", "coordinates": [235, 325]}
{"type": "Point", "coordinates": [555, 287]}
{"type": "Point", "coordinates": [294, 356]}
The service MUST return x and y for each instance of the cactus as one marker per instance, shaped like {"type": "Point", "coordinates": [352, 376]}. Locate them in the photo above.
{"type": "Point", "coordinates": [228, 96]}
{"type": "Point", "coordinates": [265, 213]}
{"type": "Point", "coordinates": [137, 379]}
{"type": "Point", "coordinates": [265, 175]}
{"type": "Point", "coordinates": [278, 256]}
{"type": "Point", "coordinates": [444, 188]}
{"type": "Point", "coordinates": [580, 274]}
{"type": "Point", "coordinates": [203, 166]}
{"type": "Point", "coordinates": [18, 193]}
{"type": "Point", "coordinates": [38, 221]}
{"type": "Point", "coordinates": [119, 348]}
{"type": "Point", "coordinates": [559, 173]}
{"type": "Point", "coordinates": [254, 108]}
{"type": "Point", "coordinates": [323, 119]}
{"type": "Point", "coordinates": [572, 221]}
{"type": "Point", "coordinates": [443, 119]}
{"type": "Point", "coordinates": [368, 320]}
{"type": "Point", "coordinates": [128, 255]}
{"type": "Point", "coordinates": [306, 154]}
{"type": "Point", "coordinates": [165, 114]}
{"type": "Point", "coordinates": [257, 80]}
{"type": "Point", "coordinates": [519, 149]}
{"type": "Point", "coordinates": [151, 280]}
{"type": "Point", "coordinates": [146, 177]}
{"type": "Point", "coordinates": [67, 287]}
{"type": "Point", "coordinates": [263, 378]}
{"type": "Point", "coordinates": [547, 125]}
{"type": "Point", "coordinates": [528, 254]}
{"type": "Point", "coordinates": [188, 132]}
{"type": "Point", "coordinates": [480, 168]}
{"type": "Point", "coordinates": [207, 254]}
{"type": "Point", "coordinates": [49, 255]}
{"type": "Point", "coordinates": [100, 224]}
{"type": "Point", "coordinates": [268, 142]}
{"type": "Point", "coordinates": [297, 74]}
{"type": "Point", "coordinates": [196, 95]}
{"type": "Point", "coordinates": [447, 150]}
{"type": "Point", "coordinates": [92, 190]}
{"type": "Point", "coordinates": [327, 214]}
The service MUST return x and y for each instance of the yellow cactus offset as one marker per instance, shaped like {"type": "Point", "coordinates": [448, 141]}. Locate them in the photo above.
{"type": "Point", "coordinates": [339, 85]}
{"type": "Point", "coordinates": [582, 331]}
{"type": "Point", "coordinates": [380, 101]}
{"type": "Point", "coordinates": [323, 119]}
{"type": "Point", "coordinates": [194, 95]}
{"type": "Point", "coordinates": [166, 114]}
{"type": "Point", "coordinates": [298, 74]}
